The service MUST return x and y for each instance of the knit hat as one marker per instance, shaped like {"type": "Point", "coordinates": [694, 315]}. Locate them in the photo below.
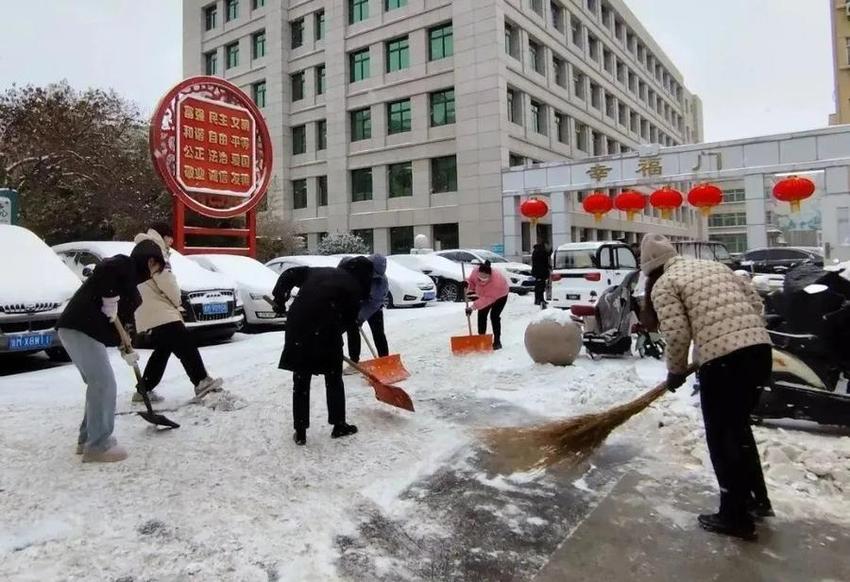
{"type": "Point", "coordinates": [655, 251]}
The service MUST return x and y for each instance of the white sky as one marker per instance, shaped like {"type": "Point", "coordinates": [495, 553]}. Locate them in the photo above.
{"type": "Point", "coordinates": [760, 66]}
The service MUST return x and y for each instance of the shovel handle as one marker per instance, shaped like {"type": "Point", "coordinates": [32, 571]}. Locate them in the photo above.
{"type": "Point", "coordinates": [368, 343]}
{"type": "Point", "coordinates": [127, 345]}
{"type": "Point", "coordinates": [361, 370]}
{"type": "Point", "coordinates": [465, 297]}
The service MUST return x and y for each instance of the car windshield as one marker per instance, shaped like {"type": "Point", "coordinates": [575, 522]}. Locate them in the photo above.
{"type": "Point", "coordinates": [721, 253]}
{"type": "Point", "coordinates": [492, 257]}
{"type": "Point", "coordinates": [579, 259]}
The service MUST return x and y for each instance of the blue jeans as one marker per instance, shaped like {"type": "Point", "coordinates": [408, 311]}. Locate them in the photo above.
{"type": "Point", "coordinates": [91, 359]}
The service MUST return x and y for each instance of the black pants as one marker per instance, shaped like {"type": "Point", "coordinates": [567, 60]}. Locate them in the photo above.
{"type": "Point", "coordinates": [376, 324]}
{"type": "Point", "coordinates": [173, 338]}
{"type": "Point", "coordinates": [494, 310]}
{"type": "Point", "coordinates": [540, 291]}
{"type": "Point", "coordinates": [729, 390]}
{"type": "Point", "coordinates": [334, 391]}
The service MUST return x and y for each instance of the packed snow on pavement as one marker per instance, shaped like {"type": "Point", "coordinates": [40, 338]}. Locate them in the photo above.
{"type": "Point", "coordinates": [229, 496]}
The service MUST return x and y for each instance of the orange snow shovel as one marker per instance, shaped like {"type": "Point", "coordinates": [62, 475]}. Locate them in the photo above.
{"type": "Point", "coordinates": [388, 369]}
{"type": "Point", "coordinates": [392, 395]}
{"type": "Point", "coordinates": [470, 344]}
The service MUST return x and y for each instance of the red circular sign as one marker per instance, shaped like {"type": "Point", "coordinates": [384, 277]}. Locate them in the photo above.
{"type": "Point", "coordinates": [211, 147]}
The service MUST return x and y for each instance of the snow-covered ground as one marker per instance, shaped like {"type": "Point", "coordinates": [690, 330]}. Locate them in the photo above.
{"type": "Point", "coordinates": [229, 496]}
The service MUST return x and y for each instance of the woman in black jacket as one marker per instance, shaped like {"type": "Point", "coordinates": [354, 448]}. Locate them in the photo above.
{"type": "Point", "coordinates": [541, 269]}
{"type": "Point", "coordinates": [327, 304]}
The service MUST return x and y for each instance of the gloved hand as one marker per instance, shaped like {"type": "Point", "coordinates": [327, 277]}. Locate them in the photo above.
{"type": "Point", "coordinates": [131, 357]}
{"type": "Point", "coordinates": [469, 311]}
{"type": "Point", "coordinates": [675, 381]}
{"type": "Point", "coordinates": [110, 307]}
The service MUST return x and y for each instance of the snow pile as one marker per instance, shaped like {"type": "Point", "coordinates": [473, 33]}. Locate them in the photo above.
{"type": "Point", "coordinates": [32, 272]}
{"type": "Point", "coordinates": [247, 272]}
{"type": "Point", "coordinates": [224, 401]}
{"type": "Point", "coordinates": [559, 316]}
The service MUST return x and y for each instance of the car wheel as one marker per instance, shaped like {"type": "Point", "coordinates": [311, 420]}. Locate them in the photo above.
{"type": "Point", "coordinates": [58, 355]}
{"type": "Point", "coordinates": [450, 292]}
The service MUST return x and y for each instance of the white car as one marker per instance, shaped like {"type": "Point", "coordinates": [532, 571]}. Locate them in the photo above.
{"type": "Point", "coordinates": [446, 275]}
{"type": "Point", "coordinates": [407, 287]}
{"type": "Point", "coordinates": [518, 274]}
{"type": "Point", "coordinates": [582, 271]}
{"type": "Point", "coordinates": [210, 302]}
{"type": "Point", "coordinates": [255, 281]}
{"type": "Point", "coordinates": [36, 286]}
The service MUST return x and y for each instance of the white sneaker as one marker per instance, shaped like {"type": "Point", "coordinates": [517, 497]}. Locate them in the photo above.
{"type": "Point", "coordinates": [111, 455]}
{"type": "Point", "coordinates": [208, 385]}
{"type": "Point", "coordinates": [154, 397]}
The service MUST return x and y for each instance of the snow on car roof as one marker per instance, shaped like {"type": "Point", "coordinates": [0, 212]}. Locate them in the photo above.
{"type": "Point", "coordinates": [246, 271]}
{"type": "Point", "coordinates": [586, 246]}
{"type": "Point", "coordinates": [32, 272]}
{"type": "Point", "coordinates": [400, 273]}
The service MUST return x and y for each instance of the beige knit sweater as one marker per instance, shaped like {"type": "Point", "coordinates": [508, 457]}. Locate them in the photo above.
{"type": "Point", "coordinates": [705, 302]}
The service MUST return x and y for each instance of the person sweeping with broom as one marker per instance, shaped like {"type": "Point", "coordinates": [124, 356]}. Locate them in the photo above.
{"type": "Point", "coordinates": [489, 290]}
{"type": "Point", "coordinates": [705, 302]}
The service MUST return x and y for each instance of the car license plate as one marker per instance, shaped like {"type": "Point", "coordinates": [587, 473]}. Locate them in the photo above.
{"type": "Point", "coordinates": [428, 296]}
{"type": "Point", "coordinates": [214, 308]}
{"type": "Point", "coordinates": [30, 342]}
{"type": "Point", "coordinates": [573, 297]}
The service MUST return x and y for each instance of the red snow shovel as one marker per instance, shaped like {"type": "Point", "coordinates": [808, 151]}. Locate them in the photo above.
{"type": "Point", "coordinates": [392, 395]}
{"type": "Point", "coordinates": [470, 344]}
{"type": "Point", "coordinates": [388, 369]}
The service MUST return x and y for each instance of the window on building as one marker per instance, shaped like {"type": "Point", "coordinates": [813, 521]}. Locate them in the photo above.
{"type": "Point", "coordinates": [440, 42]}
{"type": "Point", "coordinates": [367, 235]}
{"type": "Point", "coordinates": [557, 16]}
{"type": "Point", "coordinates": [258, 4]}
{"type": "Point", "coordinates": [232, 9]}
{"type": "Point", "coordinates": [258, 93]}
{"type": "Point", "coordinates": [634, 125]}
{"type": "Point", "coordinates": [537, 6]}
{"type": "Point", "coordinates": [319, 24]}
{"type": "Point", "coordinates": [596, 96]}
{"type": "Point", "coordinates": [401, 240]}
{"type": "Point", "coordinates": [515, 160]}
{"type": "Point", "coordinates": [400, 179]}
{"type": "Point", "coordinates": [633, 82]}
{"type": "Point", "coordinates": [579, 83]}
{"type": "Point", "coordinates": [446, 236]}
{"type": "Point", "coordinates": [398, 116]}
{"type": "Point", "coordinates": [359, 65]}
{"type": "Point", "coordinates": [734, 195]}
{"type": "Point", "coordinates": [599, 144]}
{"type": "Point", "coordinates": [211, 63]}
{"type": "Point", "coordinates": [621, 72]}
{"type": "Point", "coordinates": [623, 115]}
{"type": "Point", "coordinates": [393, 4]}
{"type": "Point", "coordinates": [296, 28]}
{"type": "Point", "coordinates": [610, 106]}
{"type": "Point", "coordinates": [444, 174]}
{"type": "Point", "coordinates": [297, 86]}
{"type": "Point", "coordinates": [535, 56]}
{"type": "Point", "coordinates": [361, 185]}
{"type": "Point", "coordinates": [560, 71]}
{"type": "Point", "coordinates": [592, 5]}
{"type": "Point", "coordinates": [322, 190]}
{"type": "Point", "coordinates": [511, 40]}
{"type": "Point", "coordinates": [847, 46]}
{"type": "Point", "coordinates": [608, 61]}
{"type": "Point", "coordinates": [299, 194]}
{"type": "Point", "coordinates": [299, 139]}
{"type": "Point", "coordinates": [398, 54]}
{"type": "Point", "coordinates": [258, 45]}
{"type": "Point", "coordinates": [211, 16]}
{"type": "Point", "coordinates": [361, 124]}
{"type": "Point", "coordinates": [320, 79]}
{"type": "Point", "coordinates": [735, 243]}
{"type": "Point", "coordinates": [442, 107]}
{"type": "Point", "coordinates": [619, 30]}
{"type": "Point", "coordinates": [358, 10]}
{"type": "Point", "coordinates": [537, 116]}
{"type": "Point", "coordinates": [593, 47]}
{"type": "Point", "coordinates": [322, 135]}
{"type": "Point", "coordinates": [577, 32]}
{"type": "Point", "coordinates": [232, 52]}
{"type": "Point", "coordinates": [562, 128]}
{"type": "Point", "coordinates": [514, 106]}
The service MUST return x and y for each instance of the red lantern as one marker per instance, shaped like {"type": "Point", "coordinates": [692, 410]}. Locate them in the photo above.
{"type": "Point", "coordinates": [794, 189]}
{"type": "Point", "coordinates": [705, 197]}
{"type": "Point", "coordinates": [598, 204]}
{"type": "Point", "coordinates": [666, 200]}
{"type": "Point", "coordinates": [630, 202]}
{"type": "Point", "coordinates": [534, 209]}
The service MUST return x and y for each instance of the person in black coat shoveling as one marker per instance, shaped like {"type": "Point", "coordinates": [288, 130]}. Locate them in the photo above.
{"type": "Point", "coordinates": [372, 311]}
{"type": "Point", "coordinates": [541, 269]}
{"type": "Point", "coordinates": [327, 305]}
{"type": "Point", "coordinates": [86, 328]}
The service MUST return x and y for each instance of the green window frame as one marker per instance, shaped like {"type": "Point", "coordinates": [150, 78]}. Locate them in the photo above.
{"type": "Point", "coordinates": [359, 65]}
{"type": "Point", "coordinates": [299, 194]}
{"type": "Point", "coordinates": [232, 10]}
{"type": "Point", "coordinates": [258, 44]}
{"type": "Point", "coordinates": [297, 86]}
{"type": "Point", "coordinates": [400, 179]}
{"type": "Point", "coordinates": [321, 135]}
{"type": "Point", "coordinates": [258, 93]}
{"type": "Point", "coordinates": [296, 29]}
{"type": "Point", "coordinates": [398, 54]}
{"type": "Point", "coordinates": [258, 4]}
{"type": "Point", "coordinates": [320, 80]}
{"type": "Point", "coordinates": [399, 118]}
{"type": "Point", "coordinates": [299, 140]}
{"type": "Point", "coordinates": [211, 17]}
{"type": "Point", "coordinates": [361, 124]}
{"type": "Point", "coordinates": [320, 24]}
{"type": "Point", "coordinates": [393, 4]}
{"type": "Point", "coordinates": [440, 42]}
{"type": "Point", "coordinates": [444, 174]}
{"type": "Point", "coordinates": [358, 11]}
{"type": "Point", "coordinates": [361, 185]}
{"type": "Point", "coordinates": [443, 107]}
{"type": "Point", "coordinates": [322, 190]}
{"type": "Point", "coordinates": [211, 63]}
{"type": "Point", "coordinates": [232, 52]}
{"type": "Point", "coordinates": [401, 240]}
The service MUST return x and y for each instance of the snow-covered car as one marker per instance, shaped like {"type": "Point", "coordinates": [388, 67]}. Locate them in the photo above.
{"type": "Point", "coordinates": [446, 275]}
{"type": "Point", "coordinates": [582, 271]}
{"type": "Point", "coordinates": [518, 274]}
{"type": "Point", "coordinates": [407, 287]}
{"type": "Point", "coordinates": [211, 305]}
{"type": "Point", "coordinates": [255, 281]}
{"type": "Point", "coordinates": [35, 288]}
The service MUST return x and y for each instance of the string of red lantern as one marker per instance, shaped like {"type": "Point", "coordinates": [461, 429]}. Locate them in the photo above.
{"type": "Point", "coordinates": [598, 204]}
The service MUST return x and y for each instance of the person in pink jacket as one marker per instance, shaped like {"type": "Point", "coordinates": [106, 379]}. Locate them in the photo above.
{"type": "Point", "coordinates": [489, 290]}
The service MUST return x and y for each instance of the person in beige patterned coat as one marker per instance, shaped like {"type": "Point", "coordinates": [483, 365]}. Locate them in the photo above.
{"type": "Point", "coordinates": [704, 302]}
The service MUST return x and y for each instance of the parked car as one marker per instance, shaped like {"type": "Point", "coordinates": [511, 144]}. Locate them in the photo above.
{"type": "Point", "coordinates": [707, 251]}
{"type": "Point", "coordinates": [35, 288]}
{"type": "Point", "coordinates": [446, 275]}
{"type": "Point", "coordinates": [518, 274]}
{"type": "Point", "coordinates": [211, 305]}
{"type": "Point", "coordinates": [408, 288]}
{"type": "Point", "coordinates": [779, 260]}
{"type": "Point", "coordinates": [255, 281]}
{"type": "Point", "coordinates": [582, 271]}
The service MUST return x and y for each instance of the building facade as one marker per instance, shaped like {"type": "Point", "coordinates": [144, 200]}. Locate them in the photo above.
{"type": "Point", "coordinates": [840, 18]}
{"type": "Point", "coordinates": [392, 118]}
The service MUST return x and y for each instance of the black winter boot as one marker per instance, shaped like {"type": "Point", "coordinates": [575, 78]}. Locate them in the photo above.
{"type": "Point", "coordinates": [715, 523]}
{"type": "Point", "coordinates": [760, 509]}
{"type": "Point", "coordinates": [300, 437]}
{"type": "Point", "coordinates": [343, 430]}
{"type": "Point", "coordinates": [497, 345]}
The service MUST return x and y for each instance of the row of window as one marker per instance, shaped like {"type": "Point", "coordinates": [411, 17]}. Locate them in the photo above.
{"type": "Point", "coordinates": [231, 12]}
{"type": "Point", "coordinates": [296, 29]}
{"type": "Point", "coordinates": [231, 53]}
{"type": "Point", "coordinates": [728, 219]}
{"type": "Point", "coordinates": [358, 10]}
{"type": "Point", "coordinates": [445, 236]}
{"type": "Point", "coordinates": [397, 53]}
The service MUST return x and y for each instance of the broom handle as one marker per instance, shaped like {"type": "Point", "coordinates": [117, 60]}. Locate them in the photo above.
{"type": "Point", "coordinates": [368, 343]}
{"type": "Point", "coordinates": [465, 297]}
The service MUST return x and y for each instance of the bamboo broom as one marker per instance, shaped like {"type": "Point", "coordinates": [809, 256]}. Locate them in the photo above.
{"type": "Point", "coordinates": [572, 439]}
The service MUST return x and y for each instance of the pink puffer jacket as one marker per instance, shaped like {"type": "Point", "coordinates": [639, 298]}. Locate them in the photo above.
{"type": "Point", "coordinates": [489, 292]}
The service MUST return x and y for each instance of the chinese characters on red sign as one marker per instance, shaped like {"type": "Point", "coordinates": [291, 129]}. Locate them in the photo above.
{"type": "Point", "coordinates": [215, 148]}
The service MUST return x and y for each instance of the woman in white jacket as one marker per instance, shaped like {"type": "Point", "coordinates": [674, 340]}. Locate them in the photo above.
{"type": "Point", "coordinates": [160, 315]}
